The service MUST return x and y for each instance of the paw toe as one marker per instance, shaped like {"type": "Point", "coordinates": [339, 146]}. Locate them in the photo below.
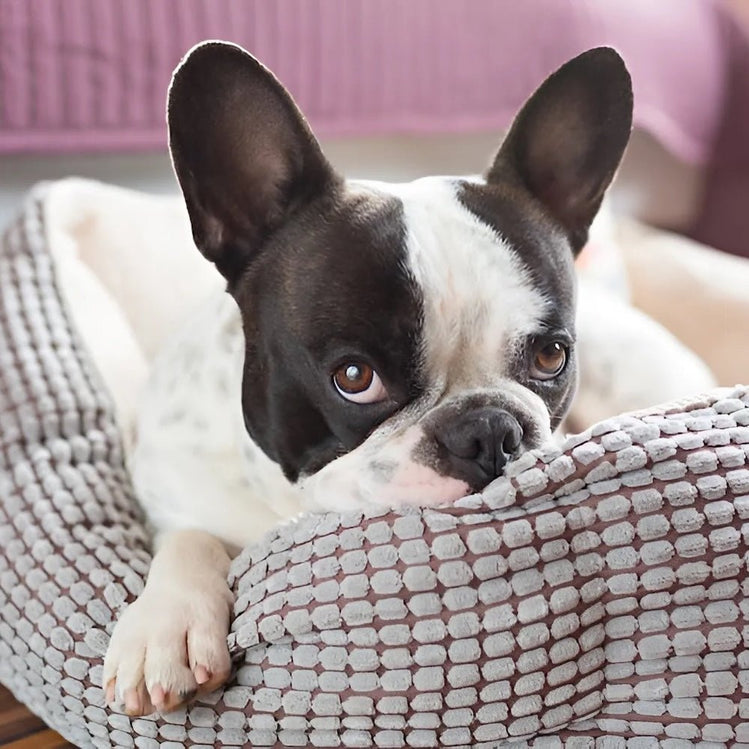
{"type": "Point", "coordinates": [209, 658]}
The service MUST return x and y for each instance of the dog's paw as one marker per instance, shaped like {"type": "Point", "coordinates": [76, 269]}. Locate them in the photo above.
{"type": "Point", "coordinates": [167, 647]}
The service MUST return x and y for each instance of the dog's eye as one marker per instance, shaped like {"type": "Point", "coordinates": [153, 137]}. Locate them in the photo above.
{"type": "Point", "coordinates": [549, 361]}
{"type": "Point", "coordinates": [359, 383]}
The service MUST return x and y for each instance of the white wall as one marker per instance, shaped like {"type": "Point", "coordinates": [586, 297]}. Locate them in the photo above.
{"type": "Point", "coordinates": [652, 185]}
{"type": "Point", "coordinates": [394, 159]}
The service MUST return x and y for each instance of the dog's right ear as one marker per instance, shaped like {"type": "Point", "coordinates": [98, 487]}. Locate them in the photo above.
{"type": "Point", "coordinates": [242, 151]}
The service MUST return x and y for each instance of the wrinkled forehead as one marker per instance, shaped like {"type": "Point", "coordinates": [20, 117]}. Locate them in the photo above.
{"type": "Point", "coordinates": [482, 292]}
{"type": "Point", "coordinates": [336, 279]}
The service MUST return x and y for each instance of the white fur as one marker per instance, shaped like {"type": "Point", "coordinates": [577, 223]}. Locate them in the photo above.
{"type": "Point", "coordinates": [173, 637]}
{"type": "Point", "coordinates": [627, 360]}
{"type": "Point", "coordinates": [478, 302]}
{"type": "Point", "coordinates": [191, 420]}
{"type": "Point", "coordinates": [478, 297]}
{"type": "Point", "coordinates": [194, 465]}
{"type": "Point", "coordinates": [355, 479]}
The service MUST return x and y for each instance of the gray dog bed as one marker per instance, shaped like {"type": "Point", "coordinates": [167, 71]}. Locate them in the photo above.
{"type": "Point", "coordinates": [594, 596]}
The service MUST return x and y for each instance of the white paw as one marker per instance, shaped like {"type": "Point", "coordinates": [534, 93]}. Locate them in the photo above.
{"type": "Point", "coordinates": [166, 647]}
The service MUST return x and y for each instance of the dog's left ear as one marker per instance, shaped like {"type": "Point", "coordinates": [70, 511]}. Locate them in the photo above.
{"type": "Point", "coordinates": [243, 153]}
{"type": "Point", "coordinates": [567, 141]}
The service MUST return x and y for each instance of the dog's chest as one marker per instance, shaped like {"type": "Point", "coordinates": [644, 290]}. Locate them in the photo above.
{"type": "Point", "coordinates": [190, 416]}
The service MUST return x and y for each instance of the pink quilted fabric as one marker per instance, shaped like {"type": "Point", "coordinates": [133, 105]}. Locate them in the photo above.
{"type": "Point", "coordinates": [92, 74]}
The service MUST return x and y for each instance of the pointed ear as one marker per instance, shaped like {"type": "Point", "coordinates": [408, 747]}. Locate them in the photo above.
{"type": "Point", "coordinates": [566, 143]}
{"type": "Point", "coordinates": [243, 153]}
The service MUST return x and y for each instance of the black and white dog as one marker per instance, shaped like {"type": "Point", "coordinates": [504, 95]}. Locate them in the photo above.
{"type": "Point", "coordinates": [380, 343]}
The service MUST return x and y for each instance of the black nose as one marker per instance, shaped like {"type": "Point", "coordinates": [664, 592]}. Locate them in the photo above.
{"type": "Point", "coordinates": [479, 443]}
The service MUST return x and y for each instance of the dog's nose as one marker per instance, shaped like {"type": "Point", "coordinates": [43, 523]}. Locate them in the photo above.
{"type": "Point", "coordinates": [479, 443]}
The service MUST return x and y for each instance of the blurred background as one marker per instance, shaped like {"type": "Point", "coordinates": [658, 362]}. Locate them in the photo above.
{"type": "Point", "coordinates": [393, 89]}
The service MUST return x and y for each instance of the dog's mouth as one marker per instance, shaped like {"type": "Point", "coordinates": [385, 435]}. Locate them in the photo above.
{"type": "Point", "coordinates": [430, 462]}
{"type": "Point", "coordinates": [480, 471]}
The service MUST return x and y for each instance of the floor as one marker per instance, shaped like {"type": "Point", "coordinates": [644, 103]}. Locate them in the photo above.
{"type": "Point", "coordinates": [19, 729]}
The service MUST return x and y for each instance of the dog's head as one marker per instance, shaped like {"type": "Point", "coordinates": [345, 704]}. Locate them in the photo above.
{"type": "Point", "coordinates": [403, 342]}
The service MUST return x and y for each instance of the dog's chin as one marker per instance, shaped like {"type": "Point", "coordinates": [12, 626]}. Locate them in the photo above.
{"type": "Point", "coordinates": [411, 485]}
{"type": "Point", "coordinates": [418, 485]}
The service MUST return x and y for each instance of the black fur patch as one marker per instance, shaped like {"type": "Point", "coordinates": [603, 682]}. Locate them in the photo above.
{"type": "Point", "coordinates": [331, 286]}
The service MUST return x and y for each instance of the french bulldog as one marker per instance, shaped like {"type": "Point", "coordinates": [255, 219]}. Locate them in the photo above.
{"type": "Point", "coordinates": [379, 343]}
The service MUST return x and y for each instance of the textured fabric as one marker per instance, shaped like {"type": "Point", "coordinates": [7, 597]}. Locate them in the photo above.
{"type": "Point", "coordinates": [596, 594]}
{"type": "Point", "coordinates": [92, 74]}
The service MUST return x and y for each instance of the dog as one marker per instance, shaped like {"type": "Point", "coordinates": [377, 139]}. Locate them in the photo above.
{"type": "Point", "coordinates": [379, 343]}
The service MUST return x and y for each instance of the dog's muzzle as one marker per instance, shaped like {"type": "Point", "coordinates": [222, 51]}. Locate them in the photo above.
{"type": "Point", "coordinates": [478, 443]}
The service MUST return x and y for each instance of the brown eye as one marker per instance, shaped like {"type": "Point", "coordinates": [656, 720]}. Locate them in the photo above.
{"type": "Point", "coordinates": [353, 378]}
{"type": "Point", "coordinates": [549, 361]}
{"type": "Point", "coordinates": [359, 383]}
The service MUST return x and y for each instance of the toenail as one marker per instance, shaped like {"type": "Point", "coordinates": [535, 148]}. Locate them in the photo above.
{"type": "Point", "coordinates": [157, 695]}
{"type": "Point", "coordinates": [132, 703]}
{"type": "Point", "coordinates": [202, 675]}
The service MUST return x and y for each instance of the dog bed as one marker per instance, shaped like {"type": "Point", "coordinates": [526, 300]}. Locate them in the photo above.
{"type": "Point", "coordinates": [596, 595]}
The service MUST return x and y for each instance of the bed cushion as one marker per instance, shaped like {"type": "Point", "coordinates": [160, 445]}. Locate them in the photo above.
{"type": "Point", "coordinates": [596, 592]}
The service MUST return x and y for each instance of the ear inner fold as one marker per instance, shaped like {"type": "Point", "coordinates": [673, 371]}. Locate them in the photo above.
{"type": "Point", "coordinates": [242, 151]}
{"type": "Point", "coordinates": [567, 141]}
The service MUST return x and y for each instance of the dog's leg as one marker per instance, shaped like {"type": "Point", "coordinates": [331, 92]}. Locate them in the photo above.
{"type": "Point", "coordinates": [193, 466]}
{"type": "Point", "coordinates": [171, 642]}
